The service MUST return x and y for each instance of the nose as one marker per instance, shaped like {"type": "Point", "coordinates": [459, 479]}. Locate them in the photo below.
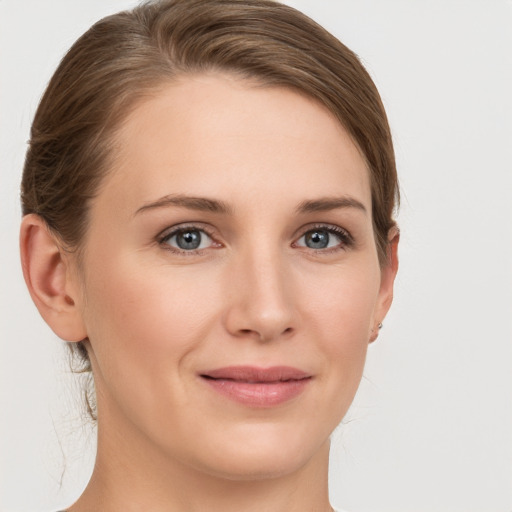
{"type": "Point", "coordinates": [261, 298]}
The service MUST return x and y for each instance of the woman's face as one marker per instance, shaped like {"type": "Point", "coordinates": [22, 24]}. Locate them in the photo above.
{"type": "Point", "coordinates": [230, 281]}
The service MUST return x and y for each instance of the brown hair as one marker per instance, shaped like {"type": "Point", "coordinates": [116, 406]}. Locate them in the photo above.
{"type": "Point", "coordinates": [126, 56]}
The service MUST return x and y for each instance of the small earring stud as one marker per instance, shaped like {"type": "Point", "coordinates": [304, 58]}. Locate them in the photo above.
{"type": "Point", "coordinates": [380, 325]}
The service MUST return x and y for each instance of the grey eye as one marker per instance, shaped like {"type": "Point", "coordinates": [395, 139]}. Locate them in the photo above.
{"type": "Point", "coordinates": [188, 239]}
{"type": "Point", "coordinates": [320, 238]}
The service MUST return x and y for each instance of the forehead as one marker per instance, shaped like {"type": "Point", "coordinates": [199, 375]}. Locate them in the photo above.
{"type": "Point", "coordinates": [217, 135]}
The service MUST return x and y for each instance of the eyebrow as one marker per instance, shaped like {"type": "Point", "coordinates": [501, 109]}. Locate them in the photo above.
{"type": "Point", "coordinates": [192, 203]}
{"type": "Point", "coordinates": [330, 203]}
{"type": "Point", "coordinates": [216, 206]}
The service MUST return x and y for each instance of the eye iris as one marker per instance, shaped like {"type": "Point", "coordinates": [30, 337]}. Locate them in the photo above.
{"type": "Point", "coordinates": [317, 239]}
{"type": "Point", "coordinates": [188, 240]}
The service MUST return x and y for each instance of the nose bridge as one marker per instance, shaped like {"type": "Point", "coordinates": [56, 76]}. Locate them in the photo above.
{"type": "Point", "coordinates": [262, 299]}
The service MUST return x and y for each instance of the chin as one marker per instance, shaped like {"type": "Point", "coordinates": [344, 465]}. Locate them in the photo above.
{"type": "Point", "coordinates": [267, 454]}
{"type": "Point", "coordinates": [251, 468]}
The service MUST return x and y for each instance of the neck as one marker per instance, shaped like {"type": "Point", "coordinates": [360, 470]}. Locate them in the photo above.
{"type": "Point", "coordinates": [132, 475]}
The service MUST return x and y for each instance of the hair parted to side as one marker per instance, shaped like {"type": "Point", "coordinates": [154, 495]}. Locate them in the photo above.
{"type": "Point", "coordinates": [126, 56]}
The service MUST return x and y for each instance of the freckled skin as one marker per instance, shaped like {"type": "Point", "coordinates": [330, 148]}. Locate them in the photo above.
{"type": "Point", "coordinates": [255, 294]}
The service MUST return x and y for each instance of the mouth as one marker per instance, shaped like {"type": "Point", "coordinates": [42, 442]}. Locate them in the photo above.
{"type": "Point", "coordinates": [258, 387]}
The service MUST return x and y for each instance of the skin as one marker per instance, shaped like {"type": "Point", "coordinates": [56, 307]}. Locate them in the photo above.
{"type": "Point", "coordinates": [253, 294]}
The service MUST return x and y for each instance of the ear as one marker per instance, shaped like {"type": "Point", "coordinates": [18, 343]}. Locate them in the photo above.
{"type": "Point", "coordinates": [387, 280]}
{"type": "Point", "coordinates": [50, 280]}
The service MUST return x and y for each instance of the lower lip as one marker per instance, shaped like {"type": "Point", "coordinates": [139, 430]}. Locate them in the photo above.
{"type": "Point", "coordinates": [259, 394]}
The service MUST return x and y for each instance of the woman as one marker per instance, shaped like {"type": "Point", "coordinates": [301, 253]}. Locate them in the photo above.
{"type": "Point", "coordinates": [208, 199]}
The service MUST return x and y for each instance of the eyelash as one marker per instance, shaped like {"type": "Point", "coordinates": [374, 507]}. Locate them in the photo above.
{"type": "Point", "coordinates": [346, 239]}
{"type": "Point", "coordinates": [167, 235]}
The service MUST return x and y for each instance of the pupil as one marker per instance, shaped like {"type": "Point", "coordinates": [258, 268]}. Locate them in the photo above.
{"type": "Point", "coordinates": [188, 240]}
{"type": "Point", "coordinates": [317, 239]}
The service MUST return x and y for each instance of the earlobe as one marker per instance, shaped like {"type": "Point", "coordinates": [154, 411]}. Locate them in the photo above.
{"type": "Point", "coordinates": [388, 274]}
{"type": "Point", "coordinates": [48, 278]}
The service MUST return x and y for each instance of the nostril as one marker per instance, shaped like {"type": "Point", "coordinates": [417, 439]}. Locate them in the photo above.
{"type": "Point", "coordinates": [265, 336]}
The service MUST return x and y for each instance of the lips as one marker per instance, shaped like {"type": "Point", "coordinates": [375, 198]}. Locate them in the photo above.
{"type": "Point", "coordinates": [258, 387]}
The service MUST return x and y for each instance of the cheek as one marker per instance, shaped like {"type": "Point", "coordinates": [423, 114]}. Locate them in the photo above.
{"type": "Point", "coordinates": [341, 314]}
{"type": "Point", "coordinates": [145, 325]}
{"type": "Point", "coordinates": [140, 318]}
{"type": "Point", "coordinates": [343, 302]}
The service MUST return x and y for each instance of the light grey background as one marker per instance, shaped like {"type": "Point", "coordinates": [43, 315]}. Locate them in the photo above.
{"type": "Point", "coordinates": [431, 428]}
